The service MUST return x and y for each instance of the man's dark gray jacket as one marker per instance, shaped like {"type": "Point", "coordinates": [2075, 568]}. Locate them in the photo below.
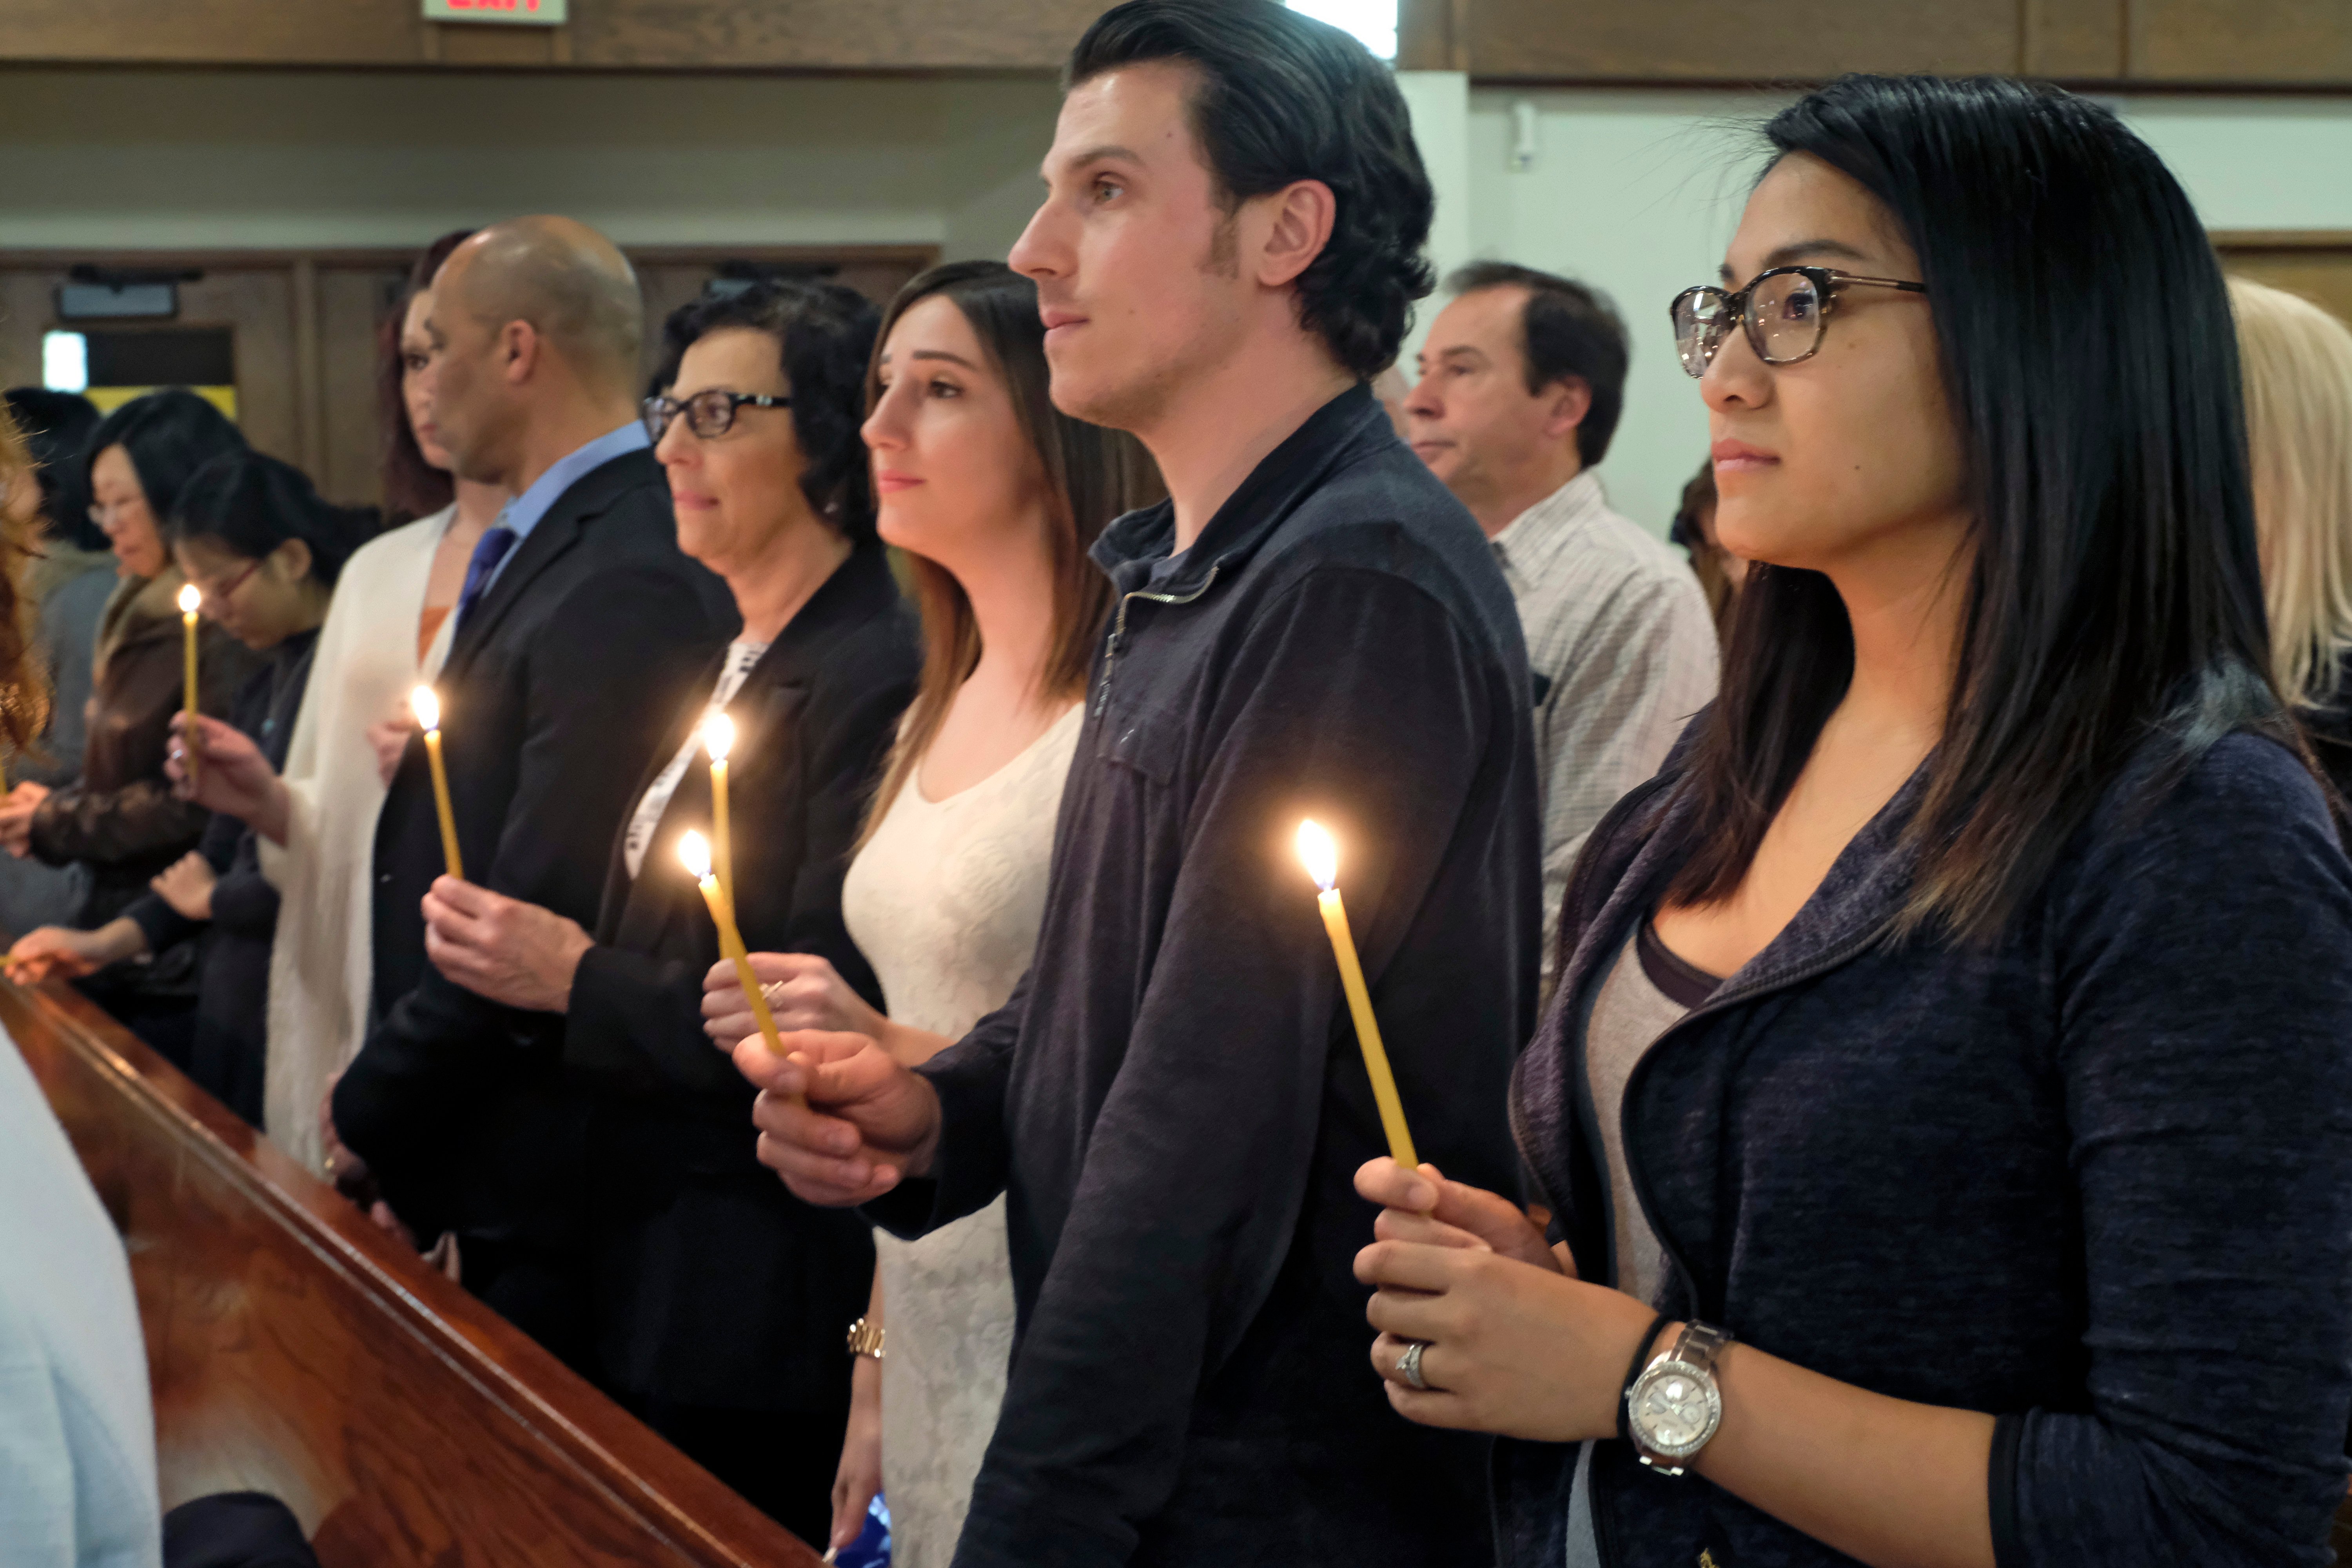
{"type": "Point", "coordinates": [1173, 1097]}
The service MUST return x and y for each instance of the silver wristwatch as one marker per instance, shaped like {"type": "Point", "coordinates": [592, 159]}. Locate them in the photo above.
{"type": "Point", "coordinates": [1674, 1407]}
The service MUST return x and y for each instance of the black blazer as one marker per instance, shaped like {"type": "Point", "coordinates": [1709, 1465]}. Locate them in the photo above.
{"type": "Point", "coordinates": [557, 689]}
{"type": "Point", "coordinates": [713, 1285]}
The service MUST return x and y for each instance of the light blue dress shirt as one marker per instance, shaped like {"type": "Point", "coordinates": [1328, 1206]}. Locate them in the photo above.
{"type": "Point", "coordinates": [76, 1426]}
{"type": "Point", "coordinates": [521, 514]}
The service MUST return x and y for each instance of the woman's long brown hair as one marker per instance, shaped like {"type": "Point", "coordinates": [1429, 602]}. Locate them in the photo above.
{"type": "Point", "coordinates": [1092, 474]}
{"type": "Point", "coordinates": [24, 687]}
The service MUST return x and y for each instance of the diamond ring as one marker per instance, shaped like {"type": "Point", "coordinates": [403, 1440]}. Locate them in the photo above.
{"type": "Point", "coordinates": [1408, 1365]}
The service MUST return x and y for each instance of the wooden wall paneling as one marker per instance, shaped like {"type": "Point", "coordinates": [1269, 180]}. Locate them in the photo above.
{"type": "Point", "coordinates": [24, 317]}
{"type": "Point", "coordinates": [294, 1349]}
{"type": "Point", "coordinates": [1017, 35]}
{"type": "Point", "coordinates": [213, 32]}
{"type": "Point", "coordinates": [1425, 36]}
{"type": "Point", "coordinates": [352, 302]}
{"type": "Point", "coordinates": [1735, 40]}
{"type": "Point", "coordinates": [2073, 41]}
{"type": "Point", "coordinates": [671, 276]}
{"type": "Point", "coordinates": [258, 303]}
{"type": "Point", "coordinates": [504, 48]}
{"type": "Point", "coordinates": [2315, 265]}
{"type": "Point", "coordinates": [2301, 43]}
{"type": "Point", "coordinates": [310, 395]}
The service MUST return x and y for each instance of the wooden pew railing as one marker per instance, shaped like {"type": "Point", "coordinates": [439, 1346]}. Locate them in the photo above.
{"type": "Point", "coordinates": [296, 1350]}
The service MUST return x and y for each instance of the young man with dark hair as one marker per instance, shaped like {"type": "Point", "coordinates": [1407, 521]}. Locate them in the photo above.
{"type": "Point", "coordinates": [1310, 626]}
{"type": "Point", "coordinates": [1522, 378]}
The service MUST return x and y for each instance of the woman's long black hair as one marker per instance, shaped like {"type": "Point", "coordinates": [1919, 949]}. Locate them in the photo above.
{"type": "Point", "coordinates": [248, 503]}
{"type": "Point", "coordinates": [2115, 597]}
{"type": "Point", "coordinates": [167, 435]}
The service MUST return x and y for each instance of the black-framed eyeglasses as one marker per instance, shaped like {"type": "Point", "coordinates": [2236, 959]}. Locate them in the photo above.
{"type": "Point", "coordinates": [217, 594]}
{"type": "Point", "coordinates": [1784, 309]}
{"type": "Point", "coordinates": [708, 415]}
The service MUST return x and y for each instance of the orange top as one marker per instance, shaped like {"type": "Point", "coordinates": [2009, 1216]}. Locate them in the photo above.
{"type": "Point", "coordinates": [428, 626]}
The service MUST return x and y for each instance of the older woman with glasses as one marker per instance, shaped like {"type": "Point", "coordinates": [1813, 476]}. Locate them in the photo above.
{"type": "Point", "coordinates": [720, 1303]}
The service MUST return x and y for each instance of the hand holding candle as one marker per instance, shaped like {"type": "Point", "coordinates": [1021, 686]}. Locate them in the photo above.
{"type": "Point", "coordinates": [718, 738]}
{"type": "Point", "coordinates": [428, 717]}
{"type": "Point", "coordinates": [696, 855]}
{"type": "Point", "coordinates": [1322, 858]}
{"type": "Point", "coordinates": [191, 737]}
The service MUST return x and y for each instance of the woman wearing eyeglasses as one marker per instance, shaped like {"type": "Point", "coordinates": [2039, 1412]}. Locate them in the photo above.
{"type": "Point", "coordinates": [720, 1303]}
{"type": "Point", "coordinates": [1943, 1100]}
{"type": "Point", "coordinates": [120, 819]}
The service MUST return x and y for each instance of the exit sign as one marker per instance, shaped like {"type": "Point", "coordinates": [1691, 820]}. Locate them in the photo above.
{"type": "Point", "coordinates": [525, 13]}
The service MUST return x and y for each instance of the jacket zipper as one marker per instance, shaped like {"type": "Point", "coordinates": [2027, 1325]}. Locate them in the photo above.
{"type": "Point", "coordinates": [1709, 1008]}
{"type": "Point", "coordinates": [1118, 628]}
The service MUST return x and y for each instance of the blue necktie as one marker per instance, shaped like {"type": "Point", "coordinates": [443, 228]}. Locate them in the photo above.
{"type": "Point", "coordinates": [489, 552]}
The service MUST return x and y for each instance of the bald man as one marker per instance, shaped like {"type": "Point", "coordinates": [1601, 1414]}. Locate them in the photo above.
{"type": "Point", "coordinates": [580, 629]}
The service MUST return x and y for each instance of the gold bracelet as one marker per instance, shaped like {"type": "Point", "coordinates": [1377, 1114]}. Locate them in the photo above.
{"type": "Point", "coordinates": [865, 1339]}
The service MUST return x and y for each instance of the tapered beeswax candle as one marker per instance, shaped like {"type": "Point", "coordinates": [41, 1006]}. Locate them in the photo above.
{"type": "Point", "coordinates": [428, 717]}
{"type": "Point", "coordinates": [696, 855]}
{"type": "Point", "coordinates": [1322, 858]}
{"type": "Point", "coordinates": [718, 738]}
{"type": "Point", "coordinates": [194, 742]}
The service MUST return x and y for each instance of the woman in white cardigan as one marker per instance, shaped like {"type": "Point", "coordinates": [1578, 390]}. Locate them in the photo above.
{"type": "Point", "coordinates": [388, 630]}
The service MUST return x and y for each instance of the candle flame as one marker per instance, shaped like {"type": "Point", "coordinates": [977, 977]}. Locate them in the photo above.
{"type": "Point", "coordinates": [1322, 855]}
{"type": "Point", "coordinates": [719, 736]}
{"type": "Point", "coordinates": [427, 706]}
{"type": "Point", "coordinates": [189, 599]}
{"type": "Point", "coordinates": [696, 853]}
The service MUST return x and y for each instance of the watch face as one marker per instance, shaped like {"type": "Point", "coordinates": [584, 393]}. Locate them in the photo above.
{"type": "Point", "coordinates": [1676, 1409]}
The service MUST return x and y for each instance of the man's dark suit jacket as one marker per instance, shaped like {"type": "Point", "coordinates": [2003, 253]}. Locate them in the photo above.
{"type": "Point", "coordinates": [713, 1285]}
{"type": "Point", "coordinates": [557, 689]}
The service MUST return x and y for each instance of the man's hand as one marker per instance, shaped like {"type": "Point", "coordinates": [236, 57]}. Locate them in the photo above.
{"type": "Point", "coordinates": [867, 1123]}
{"type": "Point", "coordinates": [502, 948]}
{"type": "Point", "coordinates": [186, 884]}
{"type": "Point", "coordinates": [16, 818]}
{"type": "Point", "coordinates": [233, 776]}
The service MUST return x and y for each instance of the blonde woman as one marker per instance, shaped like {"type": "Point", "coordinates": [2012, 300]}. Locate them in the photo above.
{"type": "Point", "coordinates": [2297, 360]}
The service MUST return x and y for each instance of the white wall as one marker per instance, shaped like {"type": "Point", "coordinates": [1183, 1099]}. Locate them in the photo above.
{"type": "Point", "coordinates": [1637, 192]}
{"type": "Point", "coordinates": [1634, 191]}
{"type": "Point", "coordinates": [320, 158]}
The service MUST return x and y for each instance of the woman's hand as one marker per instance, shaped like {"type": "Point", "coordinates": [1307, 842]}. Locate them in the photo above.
{"type": "Point", "coordinates": [1513, 1346]}
{"type": "Point", "coordinates": [16, 818]}
{"type": "Point", "coordinates": [803, 991]}
{"type": "Point", "coordinates": [388, 739]}
{"type": "Point", "coordinates": [860, 1478]}
{"type": "Point", "coordinates": [186, 884]}
{"type": "Point", "coordinates": [70, 954]}
{"type": "Point", "coordinates": [233, 776]}
{"type": "Point", "coordinates": [502, 948]}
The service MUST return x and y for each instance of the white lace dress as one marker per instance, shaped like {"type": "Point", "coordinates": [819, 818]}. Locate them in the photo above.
{"type": "Point", "coordinates": [945, 902]}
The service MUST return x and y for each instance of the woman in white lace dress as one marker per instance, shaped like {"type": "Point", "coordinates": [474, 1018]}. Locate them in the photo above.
{"type": "Point", "coordinates": [995, 497]}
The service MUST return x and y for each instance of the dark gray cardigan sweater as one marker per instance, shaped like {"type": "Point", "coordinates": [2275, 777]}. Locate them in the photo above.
{"type": "Point", "coordinates": [2096, 1181]}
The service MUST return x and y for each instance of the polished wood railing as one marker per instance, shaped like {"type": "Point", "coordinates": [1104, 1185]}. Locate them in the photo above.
{"type": "Point", "coordinates": [296, 1350]}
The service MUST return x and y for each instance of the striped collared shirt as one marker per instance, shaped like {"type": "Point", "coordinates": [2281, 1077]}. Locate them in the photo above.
{"type": "Point", "coordinates": [1622, 651]}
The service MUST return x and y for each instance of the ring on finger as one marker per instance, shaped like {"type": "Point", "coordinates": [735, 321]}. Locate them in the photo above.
{"type": "Point", "coordinates": [771, 992]}
{"type": "Point", "coordinates": [1408, 1365]}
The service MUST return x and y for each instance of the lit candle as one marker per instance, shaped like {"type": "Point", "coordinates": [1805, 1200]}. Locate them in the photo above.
{"type": "Point", "coordinates": [696, 854]}
{"type": "Point", "coordinates": [1322, 858]}
{"type": "Point", "coordinates": [428, 716]}
{"type": "Point", "coordinates": [718, 738]}
{"type": "Point", "coordinates": [191, 738]}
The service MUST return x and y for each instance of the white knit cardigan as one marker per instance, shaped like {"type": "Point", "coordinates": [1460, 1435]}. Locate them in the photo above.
{"type": "Point", "coordinates": [321, 963]}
